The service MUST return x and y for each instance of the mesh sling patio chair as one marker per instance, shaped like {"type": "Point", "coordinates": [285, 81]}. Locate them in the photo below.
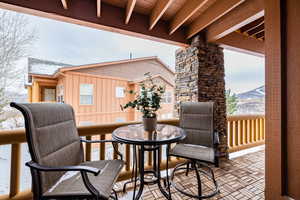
{"type": "Point", "coordinates": [199, 147]}
{"type": "Point", "coordinates": [58, 168]}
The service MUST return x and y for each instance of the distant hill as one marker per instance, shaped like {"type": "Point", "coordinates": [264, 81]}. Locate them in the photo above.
{"type": "Point", "coordinates": [253, 94]}
{"type": "Point", "coordinates": [251, 102]}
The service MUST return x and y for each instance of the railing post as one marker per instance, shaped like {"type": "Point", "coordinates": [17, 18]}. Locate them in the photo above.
{"type": "Point", "coordinates": [15, 171]}
{"type": "Point", "coordinates": [102, 148]}
{"type": "Point", "coordinates": [88, 149]}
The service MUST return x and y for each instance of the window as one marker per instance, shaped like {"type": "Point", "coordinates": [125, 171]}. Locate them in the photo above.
{"type": "Point", "coordinates": [120, 92]}
{"type": "Point", "coordinates": [49, 94]}
{"type": "Point", "coordinates": [167, 97]}
{"type": "Point", "coordinates": [60, 93]}
{"type": "Point", "coordinates": [86, 94]}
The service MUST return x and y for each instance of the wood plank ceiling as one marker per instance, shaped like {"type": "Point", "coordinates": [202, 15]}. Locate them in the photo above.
{"type": "Point", "coordinates": [255, 29]}
{"type": "Point", "coordinates": [174, 21]}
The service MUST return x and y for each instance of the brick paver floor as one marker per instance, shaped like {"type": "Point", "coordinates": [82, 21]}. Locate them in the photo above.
{"type": "Point", "coordinates": [240, 178]}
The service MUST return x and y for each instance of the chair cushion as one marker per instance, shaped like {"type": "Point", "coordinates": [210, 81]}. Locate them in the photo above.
{"type": "Point", "coordinates": [192, 151]}
{"type": "Point", "coordinates": [71, 183]}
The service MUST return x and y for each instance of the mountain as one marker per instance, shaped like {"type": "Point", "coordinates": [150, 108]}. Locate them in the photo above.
{"type": "Point", "coordinates": [257, 93]}
{"type": "Point", "coordinates": [251, 102]}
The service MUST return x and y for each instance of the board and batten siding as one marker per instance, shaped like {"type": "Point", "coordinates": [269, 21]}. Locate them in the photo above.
{"type": "Point", "coordinates": [105, 107]}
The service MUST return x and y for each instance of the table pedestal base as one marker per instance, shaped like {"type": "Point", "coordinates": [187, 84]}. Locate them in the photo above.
{"type": "Point", "coordinates": [155, 172]}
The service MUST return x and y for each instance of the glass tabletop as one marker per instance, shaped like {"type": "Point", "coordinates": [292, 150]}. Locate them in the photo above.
{"type": "Point", "coordinates": [135, 134]}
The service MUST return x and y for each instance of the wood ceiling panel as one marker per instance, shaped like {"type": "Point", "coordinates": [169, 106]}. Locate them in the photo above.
{"type": "Point", "coordinates": [199, 12]}
{"type": "Point", "coordinates": [118, 3]}
{"type": "Point", "coordinates": [173, 9]}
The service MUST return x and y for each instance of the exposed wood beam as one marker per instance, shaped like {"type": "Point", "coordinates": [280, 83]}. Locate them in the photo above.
{"type": "Point", "coordinates": [129, 10]}
{"type": "Point", "coordinates": [189, 8]}
{"type": "Point", "coordinates": [112, 18]}
{"type": "Point", "coordinates": [213, 13]}
{"type": "Point", "coordinates": [65, 4]}
{"type": "Point", "coordinates": [253, 25]}
{"type": "Point", "coordinates": [160, 7]}
{"type": "Point", "coordinates": [98, 8]}
{"type": "Point", "coordinates": [239, 42]}
{"type": "Point", "coordinates": [245, 13]}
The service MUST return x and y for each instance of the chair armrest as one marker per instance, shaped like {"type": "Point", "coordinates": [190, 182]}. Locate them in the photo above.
{"type": "Point", "coordinates": [80, 168]}
{"type": "Point", "coordinates": [216, 138]}
{"type": "Point", "coordinates": [104, 141]}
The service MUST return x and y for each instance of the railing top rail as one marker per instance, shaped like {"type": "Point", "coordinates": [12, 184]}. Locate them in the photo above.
{"type": "Point", "coordinates": [244, 117]}
{"type": "Point", "coordinates": [18, 135]}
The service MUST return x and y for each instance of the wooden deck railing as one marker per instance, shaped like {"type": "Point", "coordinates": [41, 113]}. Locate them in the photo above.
{"type": "Point", "coordinates": [243, 132]}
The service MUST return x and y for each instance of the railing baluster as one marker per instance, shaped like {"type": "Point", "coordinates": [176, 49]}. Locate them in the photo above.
{"type": "Point", "coordinates": [240, 135]}
{"type": "Point", "coordinates": [244, 132]}
{"type": "Point", "coordinates": [231, 134]}
{"type": "Point", "coordinates": [257, 130]}
{"type": "Point", "coordinates": [88, 149]}
{"type": "Point", "coordinates": [263, 129]}
{"type": "Point", "coordinates": [248, 131]}
{"type": "Point", "coordinates": [102, 148]}
{"type": "Point", "coordinates": [15, 170]}
{"type": "Point", "coordinates": [234, 134]}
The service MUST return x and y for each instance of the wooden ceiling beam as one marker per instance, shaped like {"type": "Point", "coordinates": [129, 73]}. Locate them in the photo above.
{"type": "Point", "coordinates": [65, 4]}
{"type": "Point", "coordinates": [243, 14]}
{"type": "Point", "coordinates": [239, 42]}
{"type": "Point", "coordinates": [253, 25]}
{"type": "Point", "coordinates": [160, 8]}
{"type": "Point", "coordinates": [189, 8]}
{"type": "Point", "coordinates": [129, 10]}
{"type": "Point", "coordinates": [83, 13]}
{"type": "Point", "coordinates": [98, 8]}
{"type": "Point", "coordinates": [213, 13]}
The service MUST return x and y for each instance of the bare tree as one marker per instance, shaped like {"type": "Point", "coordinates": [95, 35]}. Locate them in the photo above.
{"type": "Point", "coordinates": [16, 37]}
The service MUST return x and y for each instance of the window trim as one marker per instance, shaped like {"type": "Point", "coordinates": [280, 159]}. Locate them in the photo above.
{"type": "Point", "coordinates": [86, 95]}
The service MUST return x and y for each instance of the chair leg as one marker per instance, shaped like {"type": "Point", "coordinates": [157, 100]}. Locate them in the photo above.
{"type": "Point", "coordinates": [198, 179]}
{"type": "Point", "coordinates": [167, 173]}
{"type": "Point", "coordinates": [187, 169]}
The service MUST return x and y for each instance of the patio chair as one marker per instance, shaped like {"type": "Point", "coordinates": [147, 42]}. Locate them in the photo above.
{"type": "Point", "coordinates": [58, 169]}
{"type": "Point", "coordinates": [199, 147]}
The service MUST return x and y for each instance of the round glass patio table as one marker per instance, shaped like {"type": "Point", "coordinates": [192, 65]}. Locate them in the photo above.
{"type": "Point", "coordinates": [146, 142]}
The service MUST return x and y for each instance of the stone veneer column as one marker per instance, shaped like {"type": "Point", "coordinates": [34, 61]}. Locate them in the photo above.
{"type": "Point", "coordinates": [200, 77]}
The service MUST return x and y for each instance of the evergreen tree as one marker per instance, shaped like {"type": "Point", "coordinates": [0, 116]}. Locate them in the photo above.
{"type": "Point", "coordinates": [231, 102]}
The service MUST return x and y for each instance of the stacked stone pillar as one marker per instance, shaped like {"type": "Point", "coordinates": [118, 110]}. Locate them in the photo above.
{"type": "Point", "coordinates": [200, 78]}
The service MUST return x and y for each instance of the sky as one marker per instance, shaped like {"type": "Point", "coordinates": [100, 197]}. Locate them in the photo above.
{"type": "Point", "coordinates": [74, 44]}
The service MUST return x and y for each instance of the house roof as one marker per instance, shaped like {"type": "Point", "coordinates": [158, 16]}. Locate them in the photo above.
{"type": "Point", "coordinates": [43, 67]}
{"type": "Point", "coordinates": [64, 69]}
{"type": "Point", "coordinates": [50, 69]}
{"type": "Point", "coordinates": [158, 76]}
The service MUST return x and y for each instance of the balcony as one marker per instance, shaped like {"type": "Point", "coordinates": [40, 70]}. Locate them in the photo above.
{"type": "Point", "coordinates": [239, 178]}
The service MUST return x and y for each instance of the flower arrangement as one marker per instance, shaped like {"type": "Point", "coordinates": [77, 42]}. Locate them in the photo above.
{"type": "Point", "coordinates": [148, 99]}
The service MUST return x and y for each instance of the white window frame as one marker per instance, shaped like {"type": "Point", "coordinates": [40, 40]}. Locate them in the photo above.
{"type": "Point", "coordinates": [88, 93]}
{"type": "Point", "coordinates": [120, 92]}
{"type": "Point", "coordinates": [166, 96]}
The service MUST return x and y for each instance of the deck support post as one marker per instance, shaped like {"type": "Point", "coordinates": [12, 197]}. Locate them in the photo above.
{"type": "Point", "coordinates": [200, 77]}
{"type": "Point", "coordinates": [282, 43]}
